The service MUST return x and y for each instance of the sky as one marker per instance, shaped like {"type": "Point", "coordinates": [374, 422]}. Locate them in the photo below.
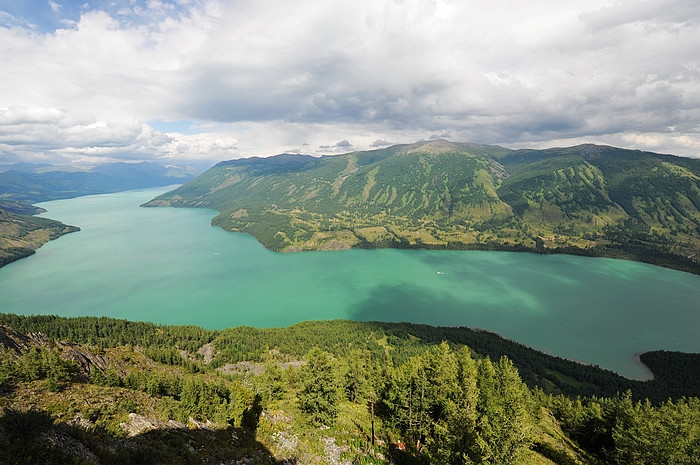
{"type": "Point", "coordinates": [199, 81]}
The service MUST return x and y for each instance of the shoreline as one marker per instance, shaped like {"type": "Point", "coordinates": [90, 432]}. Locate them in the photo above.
{"type": "Point", "coordinates": [637, 357]}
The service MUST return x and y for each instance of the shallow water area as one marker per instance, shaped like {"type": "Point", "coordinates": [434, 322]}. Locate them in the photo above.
{"type": "Point", "coordinates": [170, 266]}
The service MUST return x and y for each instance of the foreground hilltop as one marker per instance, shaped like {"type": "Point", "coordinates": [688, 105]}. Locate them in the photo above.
{"type": "Point", "coordinates": [589, 199]}
{"type": "Point", "coordinates": [100, 391]}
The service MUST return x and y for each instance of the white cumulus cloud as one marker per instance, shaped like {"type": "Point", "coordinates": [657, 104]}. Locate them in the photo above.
{"type": "Point", "coordinates": [258, 77]}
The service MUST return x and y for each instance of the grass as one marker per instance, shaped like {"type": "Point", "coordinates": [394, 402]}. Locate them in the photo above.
{"type": "Point", "coordinates": [553, 447]}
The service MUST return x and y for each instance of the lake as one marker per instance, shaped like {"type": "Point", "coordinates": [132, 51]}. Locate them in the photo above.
{"type": "Point", "coordinates": [169, 266]}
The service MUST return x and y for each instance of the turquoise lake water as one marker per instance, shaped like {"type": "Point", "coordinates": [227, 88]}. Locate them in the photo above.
{"type": "Point", "coordinates": [170, 266]}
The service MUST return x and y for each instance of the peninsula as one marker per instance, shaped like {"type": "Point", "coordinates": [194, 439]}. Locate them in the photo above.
{"type": "Point", "coordinates": [586, 200]}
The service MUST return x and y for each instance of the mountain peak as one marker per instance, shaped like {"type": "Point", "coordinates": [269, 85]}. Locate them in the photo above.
{"type": "Point", "coordinates": [433, 146]}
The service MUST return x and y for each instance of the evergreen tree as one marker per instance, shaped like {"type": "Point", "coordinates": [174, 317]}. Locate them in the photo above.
{"type": "Point", "coordinates": [271, 382]}
{"type": "Point", "coordinates": [668, 434]}
{"type": "Point", "coordinates": [360, 376]}
{"type": "Point", "coordinates": [319, 395]}
{"type": "Point", "coordinates": [463, 415]}
{"type": "Point", "coordinates": [440, 371]}
{"type": "Point", "coordinates": [505, 422]}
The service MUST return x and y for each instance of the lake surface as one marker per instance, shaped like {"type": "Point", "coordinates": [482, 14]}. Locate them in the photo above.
{"type": "Point", "coordinates": [170, 266]}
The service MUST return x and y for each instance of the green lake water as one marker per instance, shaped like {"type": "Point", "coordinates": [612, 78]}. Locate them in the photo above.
{"type": "Point", "coordinates": [168, 265]}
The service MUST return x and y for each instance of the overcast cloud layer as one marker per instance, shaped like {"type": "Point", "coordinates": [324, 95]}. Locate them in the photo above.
{"type": "Point", "coordinates": [206, 80]}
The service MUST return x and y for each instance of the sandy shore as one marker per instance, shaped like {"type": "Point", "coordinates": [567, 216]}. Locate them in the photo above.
{"type": "Point", "coordinates": [638, 361]}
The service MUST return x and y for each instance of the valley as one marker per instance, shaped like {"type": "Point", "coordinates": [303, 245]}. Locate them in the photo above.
{"type": "Point", "coordinates": [121, 265]}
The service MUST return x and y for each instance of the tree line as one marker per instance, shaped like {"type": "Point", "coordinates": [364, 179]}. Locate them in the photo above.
{"type": "Point", "coordinates": [442, 405]}
{"type": "Point", "coordinates": [675, 374]}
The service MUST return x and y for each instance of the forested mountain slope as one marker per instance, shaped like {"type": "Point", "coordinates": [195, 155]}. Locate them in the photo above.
{"type": "Point", "coordinates": [589, 199]}
{"type": "Point", "coordinates": [315, 393]}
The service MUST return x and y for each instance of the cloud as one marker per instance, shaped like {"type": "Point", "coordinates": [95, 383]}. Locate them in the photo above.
{"type": "Point", "coordinates": [55, 136]}
{"type": "Point", "coordinates": [270, 75]}
{"type": "Point", "coordinates": [17, 115]}
{"type": "Point", "coordinates": [444, 135]}
{"type": "Point", "coordinates": [380, 143]}
{"type": "Point", "coordinates": [339, 147]}
{"type": "Point", "coordinates": [9, 20]}
{"type": "Point", "coordinates": [648, 12]}
{"type": "Point", "coordinates": [55, 7]}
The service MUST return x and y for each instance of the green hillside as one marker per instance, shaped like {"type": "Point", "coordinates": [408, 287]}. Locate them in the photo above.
{"type": "Point", "coordinates": [21, 234]}
{"type": "Point", "coordinates": [590, 200]}
{"type": "Point", "coordinates": [96, 390]}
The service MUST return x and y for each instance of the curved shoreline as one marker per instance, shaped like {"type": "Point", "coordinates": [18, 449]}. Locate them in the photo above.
{"type": "Point", "coordinates": [638, 360]}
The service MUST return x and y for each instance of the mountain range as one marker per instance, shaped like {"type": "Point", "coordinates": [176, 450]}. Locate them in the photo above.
{"type": "Point", "coordinates": [23, 184]}
{"type": "Point", "coordinates": [589, 200]}
{"type": "Point", "coordinates": [31, 183]}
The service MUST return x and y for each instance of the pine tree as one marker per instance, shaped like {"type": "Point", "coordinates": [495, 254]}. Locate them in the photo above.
{"type": "Point", "coordinates": [319, 396]}
{"type": "Point", "coordinates": [272, 383]}
{"type": "Point", "coordinates": [359, 376]}
{"type": "Point", "coordinates": [462, 417]}
{"type": "Point", "coordinates": [505, 421]}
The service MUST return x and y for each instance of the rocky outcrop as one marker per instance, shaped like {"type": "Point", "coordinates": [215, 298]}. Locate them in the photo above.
{"type": "Point", "coordinates": [208, 351]}
{"type": "Point", "coordinates": [86, 360]}
{"type": "Point", "coordinates": [138, 424]}
{"type": "Point", "coordinates": [59, 438]}
{"type": "Point", "coordinates": [14, 340]}
{"type": "Point", "coordinates": [20, 343]}
{"type": "Point", "coordinates": [334, 452]}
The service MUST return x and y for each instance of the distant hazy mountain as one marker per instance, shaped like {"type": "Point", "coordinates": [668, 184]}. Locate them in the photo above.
{"type": "Point", "coordinates": [32, 183]}
{"type": "Point", "coordinates": [29, 167]}
{"type": "Point", "coordinates": [589, 199]}
{"type": "Point", "coordinates": [22, 184]}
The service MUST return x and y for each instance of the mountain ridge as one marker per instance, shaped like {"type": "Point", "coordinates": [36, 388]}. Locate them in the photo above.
{"type": "Point", "coordinates": [22, 184]}
{"type": "Point", "coordinates": [39, 183]}
{"type": "Point", "coordinates": [589, 199]}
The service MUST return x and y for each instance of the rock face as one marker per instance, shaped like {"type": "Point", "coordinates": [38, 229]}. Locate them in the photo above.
{"type": "Point", "coordinates": [13, 340]}
{"type": "Point", "coordinates": [87, 361]}
{"type": "Point", "coordinates": [138, 424]}
{"type": "Point", "coordinates": [20, 343]}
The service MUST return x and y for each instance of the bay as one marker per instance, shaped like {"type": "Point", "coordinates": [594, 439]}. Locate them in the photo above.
{"type": "Point", "coordinates": [169, 266]}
